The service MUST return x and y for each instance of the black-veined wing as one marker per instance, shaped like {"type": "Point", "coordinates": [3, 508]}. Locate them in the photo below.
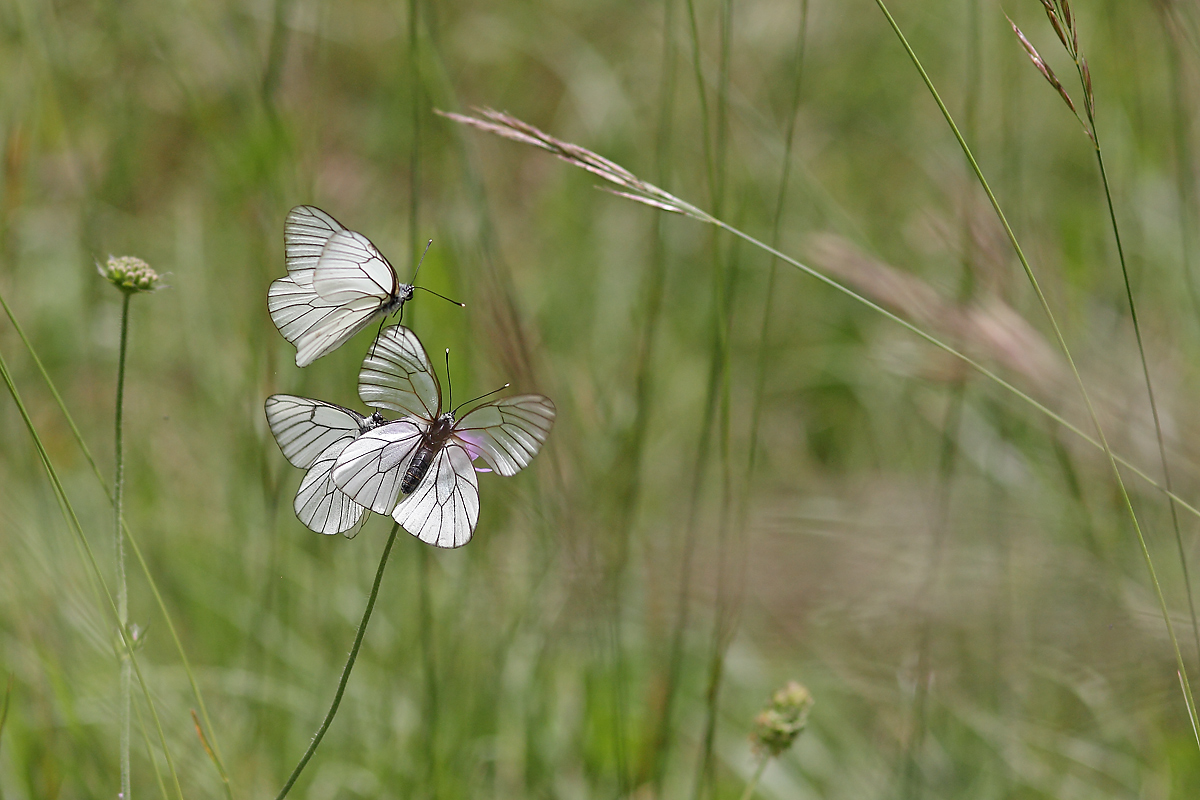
{"type": "Point", "coordinates": [371, 468]}
{"type": "Point", "coordinates": [443, 509]}
{"type": "Point", "coordinates": [312, 434]}
{"type": "Point", "coordinates": [305, 233]}
{"type": "Point", "coordinates": [351, 268]}
{"type": "Point", "coordinates": [319, 504]}
{"type": "Point", "coordinates": [304, 427]}
{"type": "Point", "coordinates": [396, 375]}
{"type": "Point", "coordinates": [316, 326]}
{"type": "Point", "coordinates": [507, 433]}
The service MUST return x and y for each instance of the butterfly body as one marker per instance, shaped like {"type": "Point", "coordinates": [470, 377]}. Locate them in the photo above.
{"type": "Point", "coordinates": [432, 441]}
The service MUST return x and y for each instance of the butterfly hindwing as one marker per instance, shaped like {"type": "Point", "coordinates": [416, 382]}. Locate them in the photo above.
{"type": "Point", "coordinates": [370, 469]}
{"type": "Point", "coordinates": [443, 509]}
{"type": "Point", "coordinates": [319, 504]}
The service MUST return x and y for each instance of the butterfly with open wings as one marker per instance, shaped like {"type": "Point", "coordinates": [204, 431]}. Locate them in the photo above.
{"type": "Point", "coordinates": [337, 284]}
{"type": "Point", "coordinates": [312, 434]}
{"type": "Point", "coordinates": [419, 468]}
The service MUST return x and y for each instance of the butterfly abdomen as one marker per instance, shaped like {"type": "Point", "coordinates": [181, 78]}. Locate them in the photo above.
{"type": "Point", "coordinates": [417, 468]}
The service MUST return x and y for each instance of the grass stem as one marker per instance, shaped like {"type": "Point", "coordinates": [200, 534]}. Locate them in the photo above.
{"type": "Point", "coordinates": [72, 519]}
{"type": "Point", "coordinates": [341, 688]}
{"type": "Point", "coordinates": [133, 545]}
{"type": "Point", "coordinates": [1062, 343]}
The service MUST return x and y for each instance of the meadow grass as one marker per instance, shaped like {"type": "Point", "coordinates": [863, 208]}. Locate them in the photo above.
{"type": "Point", "coordinates": [754, 476]}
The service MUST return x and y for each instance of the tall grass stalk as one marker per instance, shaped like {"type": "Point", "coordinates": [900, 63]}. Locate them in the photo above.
{"type": "Point", "coordinates": [1062, 343]}
{"type": "Point", "coordinates": [341, 688]}
{"type": "Point", "coordinates": [72, 519]}
{"type": "Point", "coordinates": [215, 751]}
{"type": "Point", "coordinates": [1064, 24]}
{"type": "Point", "coordinates": [723, 272]}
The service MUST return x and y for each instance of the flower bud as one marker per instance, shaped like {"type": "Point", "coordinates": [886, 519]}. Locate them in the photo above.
{"type": "Point", "coordinates": [129, 274]}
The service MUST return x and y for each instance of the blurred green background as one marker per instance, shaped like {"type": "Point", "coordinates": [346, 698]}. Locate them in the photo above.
{"type": "Point", "coordinates": [952, 574]}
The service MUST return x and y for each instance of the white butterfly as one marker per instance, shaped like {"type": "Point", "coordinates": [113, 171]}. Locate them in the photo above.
{"type": "Point", "coordinates": [426, 456]}
{"type": "Point", "coordinates": [312, 434]}
{"type": "Point", "coordinates": [337, 284]}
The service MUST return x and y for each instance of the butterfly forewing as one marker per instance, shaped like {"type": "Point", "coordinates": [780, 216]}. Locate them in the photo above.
{"type": "Point", "coordinates": [370, 469]}
{"type": "Point", "coordinates": [319, 504]}
{"type": "Point", "coordinates": [304, 428]}
{"type": "Point", "coordinates": [507, 433]}
{"type": "Point", "coordinates": [396, 375]}
{"type": "Point", "coordinates": [444, 508]}
{"type": "Point", "coordinates": [350, 268]}
{"type": "Point", "coordinates": [305, 233]}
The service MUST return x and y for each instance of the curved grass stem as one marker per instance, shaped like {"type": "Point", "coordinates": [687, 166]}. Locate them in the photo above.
{"type": "Point", "coordinates": [341, 688]}
{"type": "Point", "coordinates": [72, 519]}
{"type": "Point", "coordinates": [1125, 499]}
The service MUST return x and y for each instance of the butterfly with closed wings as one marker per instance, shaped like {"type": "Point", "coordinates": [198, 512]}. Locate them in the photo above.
{"type": "Point", "coordinates": [312, 434]}
{"type": "Point", "coordinates": [419, 468]}
{"type": "Point", "coordinates": [337, 284]}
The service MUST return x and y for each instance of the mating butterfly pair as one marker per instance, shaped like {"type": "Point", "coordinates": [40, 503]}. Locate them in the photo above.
{"type": "Point", "coordinates": [418, 468]}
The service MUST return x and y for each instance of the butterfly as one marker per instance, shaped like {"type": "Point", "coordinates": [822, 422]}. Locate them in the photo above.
{"type": "Point", "coordinates": [337, 284]}
{"type": "Point", "coordinates": [312, 434]}
{"type": "Point", "coordinates": [419, 468]}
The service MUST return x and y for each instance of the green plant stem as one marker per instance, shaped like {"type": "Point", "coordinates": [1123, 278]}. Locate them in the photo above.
{"type": "Point", "coordinates": [128, 535]}
{"type": "Point", "coordinates": [341, 688]}
{"type": "Point", "coordinates": [122, 588]}
{"type": "Point", "coordinates": [68, 511]}
{"type": "Point", "coordinates": [1128, 503]}
{"type": "Point", "coordinates": [756, 777]}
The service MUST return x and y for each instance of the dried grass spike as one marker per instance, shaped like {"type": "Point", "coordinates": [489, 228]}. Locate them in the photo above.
{"type": "Point", "coordinates": [1042, 66]}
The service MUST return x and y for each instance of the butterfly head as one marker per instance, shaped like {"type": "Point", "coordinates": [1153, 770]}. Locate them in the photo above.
{"type": "Point", "coordinates": [404, 293]}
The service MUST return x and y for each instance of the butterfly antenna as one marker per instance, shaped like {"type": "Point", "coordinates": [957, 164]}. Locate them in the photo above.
{"type": "Point", "coordinates": [421, 261]}
{"type": "Point", "coordinates": [489, 394]}
{"type": "Point", "coordinates": [431, 291]}
{"type": "Point", "coordinates": [449, 384]}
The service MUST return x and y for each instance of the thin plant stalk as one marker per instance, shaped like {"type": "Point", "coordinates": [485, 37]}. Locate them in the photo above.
{"type": "Point", "coordinates": [72, 519]}
{"type": "Point", "coordinates": [1090, 108]}
{"type": "Point", "coordinates": [122, 587]}
{"type": "Point", "coordinates": [759, 769]}
{"type": "Point", "coordinates": [133, 545]}
{"type": "Point", "coordinates": [1126, 501]}
{"type": "Point", "coordinates": [341, 688]}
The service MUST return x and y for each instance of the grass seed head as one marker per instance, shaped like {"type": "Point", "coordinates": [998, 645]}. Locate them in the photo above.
{"type": "Point", "coordinates": [777, 726]}
{"type": "Point", "coordinates": [129, 274]}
